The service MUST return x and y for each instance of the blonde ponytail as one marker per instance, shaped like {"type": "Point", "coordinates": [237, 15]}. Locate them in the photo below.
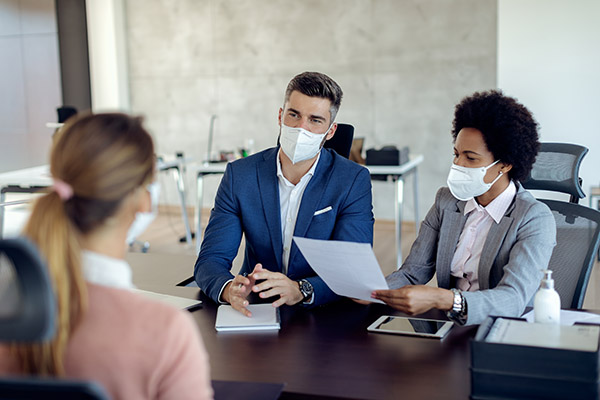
{"type": "Point", "coordinates": [56, 237]}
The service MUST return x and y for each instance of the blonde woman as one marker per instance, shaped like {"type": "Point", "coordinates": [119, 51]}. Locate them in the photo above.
{"type": "Point", "coordinates": [103, 169]}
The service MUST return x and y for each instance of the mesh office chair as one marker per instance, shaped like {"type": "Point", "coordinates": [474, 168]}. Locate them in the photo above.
{"type": "Point", "coordinates": [341, 142]}
{"type": "Point", "coordinates": [577, 227]}
{"type": "Point", "coordinates": [556, 169]}
{"type": "Point", "coordinates": [28, 313]}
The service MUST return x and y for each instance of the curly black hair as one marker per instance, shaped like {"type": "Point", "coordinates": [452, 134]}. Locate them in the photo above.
{"type": "Point", "coordinates": [509, 130]}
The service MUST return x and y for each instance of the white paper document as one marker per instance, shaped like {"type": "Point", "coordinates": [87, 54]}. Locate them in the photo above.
{"type": "Point", "coordinates": [264, 317]}
{"type": "Point", "coordinates": [349, 269]}
{"type": "Point", "coordinates": [568, 317]}
{"type": "Point", "coordinates": [573, 337]}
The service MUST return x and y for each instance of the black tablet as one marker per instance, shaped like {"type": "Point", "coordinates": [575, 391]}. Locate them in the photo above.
{"type": "Point", "coordinates": [431, 328]}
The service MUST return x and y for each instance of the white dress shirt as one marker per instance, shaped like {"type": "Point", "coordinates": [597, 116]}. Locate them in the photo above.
{"type": "Point", "coordinates": [466, 258]}
{"type": "Point", "coordinates": [104, 270]}
{"type": "Point", "coordinates": [290, 197]}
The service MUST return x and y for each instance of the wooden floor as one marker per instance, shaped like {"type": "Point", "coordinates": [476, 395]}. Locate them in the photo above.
{"type": "Point", "coordinates": [164, 233]}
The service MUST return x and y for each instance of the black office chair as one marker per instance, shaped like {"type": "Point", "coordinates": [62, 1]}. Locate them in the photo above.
{"type": "Point", "coordinates": [341, 142]}
{"type": "Point", "coordinates": [27, 314]}
{"type": "Point", "coordinates": [556, 169]}
{"type": "Point", "coordinates": [27, 309]}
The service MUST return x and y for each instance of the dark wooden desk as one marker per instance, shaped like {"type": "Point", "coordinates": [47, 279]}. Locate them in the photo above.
{"type": "Point", "coordinates": [324, 352]}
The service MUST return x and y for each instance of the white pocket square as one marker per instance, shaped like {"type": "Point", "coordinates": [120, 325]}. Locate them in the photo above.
{"type": "Point", "coordinates": [324, 210]}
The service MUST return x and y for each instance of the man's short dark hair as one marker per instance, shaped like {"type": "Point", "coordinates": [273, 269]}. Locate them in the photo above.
{"type": "Point", "coordinates": [509, 130]}
{"type": "Point", "coordinates": [316, 84]}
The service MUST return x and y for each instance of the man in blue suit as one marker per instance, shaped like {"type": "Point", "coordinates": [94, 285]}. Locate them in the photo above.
{"type": "Point", "coordinates": [295, 189]}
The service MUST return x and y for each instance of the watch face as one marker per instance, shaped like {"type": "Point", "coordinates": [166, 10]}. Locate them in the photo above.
{"type": "Point", "coordinates": [306, 288]}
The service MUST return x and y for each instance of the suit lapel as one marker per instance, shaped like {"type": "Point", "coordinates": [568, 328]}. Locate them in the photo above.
{"type": "Point", "coordinates": [269, 194]}
{"type": "Point", "coordinates": [313, 194]}
{"type": "Point", "coordinates": [452, 226]}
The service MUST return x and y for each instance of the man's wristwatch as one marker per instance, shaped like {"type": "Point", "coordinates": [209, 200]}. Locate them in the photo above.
{"type": "Point", "coordinates": [307, 290]}
{"type": "Point", "coordinates": [458, 312]}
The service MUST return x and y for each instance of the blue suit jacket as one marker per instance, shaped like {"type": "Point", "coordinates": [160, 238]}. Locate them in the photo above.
{"type": "Point", "coordinates": [247, 202]}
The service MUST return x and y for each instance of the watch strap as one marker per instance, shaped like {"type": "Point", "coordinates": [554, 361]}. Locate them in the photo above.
{"type": "Point", "coordinates": [458, 312]}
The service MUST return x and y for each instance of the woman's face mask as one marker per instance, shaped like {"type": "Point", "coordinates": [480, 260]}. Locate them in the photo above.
{"type": "Point", "coordinates": [299, 144]}
{"type": "Point", "coordinates": [144, 219]}
{"type": "Point", "coordinates": [467, 183]}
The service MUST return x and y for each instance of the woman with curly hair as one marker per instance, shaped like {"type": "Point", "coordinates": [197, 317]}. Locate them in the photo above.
{"type": "Point", "coordinates": [485, 237]}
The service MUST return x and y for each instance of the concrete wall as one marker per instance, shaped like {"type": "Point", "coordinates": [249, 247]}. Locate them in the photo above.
{"type": "Point", "coordinates": [403, 65]}
{"type": "Point", "coordinates": [549, 57]}
{"type": "Point", "coordinates": [29, 81]}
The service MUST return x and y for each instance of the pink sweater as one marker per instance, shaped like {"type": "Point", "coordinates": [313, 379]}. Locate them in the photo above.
{"type": "Point", "coordinates": [135, 348]}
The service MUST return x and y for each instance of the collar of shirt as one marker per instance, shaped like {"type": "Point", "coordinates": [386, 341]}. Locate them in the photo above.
{"type": "Point", "coordinates": [283, 179]}
{"type": "Point", "coordinates": [104, 270]}
{"type": "Point", "coordinates": [497, 207]}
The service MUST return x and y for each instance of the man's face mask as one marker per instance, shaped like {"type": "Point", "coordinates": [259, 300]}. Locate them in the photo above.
{"type": "Point", "coordinates": [299, 144]}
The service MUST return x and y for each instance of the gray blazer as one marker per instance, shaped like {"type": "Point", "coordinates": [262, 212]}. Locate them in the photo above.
{"type": "Point", "coordinates": [514, 252]}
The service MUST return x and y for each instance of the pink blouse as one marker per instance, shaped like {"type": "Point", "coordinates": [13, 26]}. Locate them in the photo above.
{"type": "Point", "coordinates": [135, 348]}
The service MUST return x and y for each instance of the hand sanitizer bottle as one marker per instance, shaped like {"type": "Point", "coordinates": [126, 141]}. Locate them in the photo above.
{"type": "Point", "coordinates": [546, 303]}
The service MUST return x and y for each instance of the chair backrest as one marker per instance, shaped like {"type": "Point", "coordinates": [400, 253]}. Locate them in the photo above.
{"type": "Point", "coordinates": [556, 169]}
{"type": "Point", "coordinates": [44, 388]}
{"type": "Point", "coordinates": [27, 314]}
{"type": "Point", "coordinates": [341, 142]}
{"type": "Point", "coordinates": [577, 238]}
{"type": "Point", "coordinates": [27, 309]}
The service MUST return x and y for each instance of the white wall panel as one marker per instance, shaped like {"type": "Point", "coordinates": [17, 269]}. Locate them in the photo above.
{"type": "Point", "coordinates": [13, 107]}
{"type": "Point", "coordinates": [549, 58]}
{"type": "Point", "coordinates": [29, 81]}
{"type": "Point", "coordinates": [10, 23]}
{"type": "Point", "coordinates": [42, 90]}
{"type": "Point", "coordinates": [37, 16]}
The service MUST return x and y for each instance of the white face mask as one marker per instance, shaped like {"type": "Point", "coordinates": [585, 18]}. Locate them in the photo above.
{"type": "Point", "coordinates": [467, 183]}
{"type": "Point", "coordinates": [299, 144]}
{"type": "Point", "coordinates": [144, 219]}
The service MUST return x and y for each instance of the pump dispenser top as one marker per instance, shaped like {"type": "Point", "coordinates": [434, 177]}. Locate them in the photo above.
{"type": "Point", "coordinates": [547, 281]}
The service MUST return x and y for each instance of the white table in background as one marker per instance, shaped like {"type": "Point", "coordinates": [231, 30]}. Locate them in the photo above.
{"type": "Point", "coordinates": [201, 172]}
{"type": "Point", "coordinates": [396, 172]}
{"type": "Point", "coordinates": [178, 167]}
{"type": "Point", "coordinates": [31, 180]}
{"type": "Point", "coordinates": [27, 180]}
